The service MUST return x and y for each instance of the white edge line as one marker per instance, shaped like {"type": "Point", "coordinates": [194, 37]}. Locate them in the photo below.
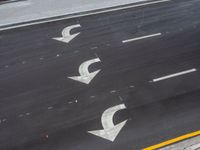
{"type": "Point", "coordinates": [81, 15]}
{"type": "Point", "coordinates": [174, 75]}
{"type": "Point", "coordinates": [142, 37]}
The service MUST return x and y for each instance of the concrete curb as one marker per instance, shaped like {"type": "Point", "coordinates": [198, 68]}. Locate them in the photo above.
{"type": "Point", "coordinates": [75, 15]}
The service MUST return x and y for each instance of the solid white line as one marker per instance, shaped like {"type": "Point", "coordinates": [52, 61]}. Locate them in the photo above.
{"type": "Point", "coordinates": [142, 37]}
{"type": "Point", "coordinates": [174, 75]}
{"type": "Point", "coordinates": [81, 15]}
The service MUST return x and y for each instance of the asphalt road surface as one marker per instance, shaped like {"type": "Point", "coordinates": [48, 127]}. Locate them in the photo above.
{"type": "Point", "coordinates": [156, 75]}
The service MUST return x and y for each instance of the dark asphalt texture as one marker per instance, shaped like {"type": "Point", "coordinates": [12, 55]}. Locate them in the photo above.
{"type": "Point", "coordinates": [37, 101]}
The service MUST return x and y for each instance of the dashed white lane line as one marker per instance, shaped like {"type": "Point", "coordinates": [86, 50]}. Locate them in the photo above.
{"type": "Point", "coordinates": [21, 115]}
{"type": "Point", "coordinates": [28, 114]}
{"type": "Point", "coordinates": [131, 86]}
{"type": "Point", "coordinates": [50, 107]}
{"type": "Point", "coordinates": [84, 14]}
{"type": "Point", "coordinates": [95, 47]}
{"type": "Point", "coordinates": [58, 55]}
{"type": "Point", "coordinates": [174, 75]}
{"type": "Point", "coordinates": [4, 120]}
{"type": "Point", "coordinates": [71, 102]}
{"type": "Point", "coordinates": [142, 37]}
{"type": "Point", "coordinates": [92, 96]}
{"type": "Point", "coordinates": [113, 91]}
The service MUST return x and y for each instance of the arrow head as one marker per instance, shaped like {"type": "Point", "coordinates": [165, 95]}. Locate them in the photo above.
{"type": "Point", "coordinates": [85, 79]}
{"type": "Point", "coordinates": [66, 39]}
{"type": "Point", "coordinates": [109, 134]}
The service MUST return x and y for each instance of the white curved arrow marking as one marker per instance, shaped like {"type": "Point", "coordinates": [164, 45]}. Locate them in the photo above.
{"type": "Point", "coordinates": [85, 76]}
{"type": "Point", "coordinates": [110, 131]}
{"type": "Point", "coordinates": [66, 36]}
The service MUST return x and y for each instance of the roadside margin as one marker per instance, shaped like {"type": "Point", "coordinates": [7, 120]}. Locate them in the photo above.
{"type": "Point", "coordinates": [172, 141]}
{"type": "Point", "coordinates": [75, 15]}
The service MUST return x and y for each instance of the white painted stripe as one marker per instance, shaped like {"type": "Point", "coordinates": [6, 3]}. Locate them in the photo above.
{"type": "Point", "coordinates": [174, 75]}
{"type": "Point", "coordinates": [142, 37]}
{"type": "Point", "coordinates": [81, 15]}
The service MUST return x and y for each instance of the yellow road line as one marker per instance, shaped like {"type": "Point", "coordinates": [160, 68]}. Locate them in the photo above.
{"type": "Point", "coordinates": [172, 141]}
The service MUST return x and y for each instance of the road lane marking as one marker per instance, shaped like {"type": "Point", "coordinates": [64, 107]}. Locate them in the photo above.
{"type": "Point", "coordinates": [58, 55]}
{"type": "Point", "coordinates": [142, 37]}
{"type": "Point", "coordinates": [172, 141]}
{"type": "Point", "coordinates": [110, 131]}
{"type": "Point", "coordinates": [113, 91]}
{"type": "Point", "coordinates": [120, 98]}
{"type": "Point", "coordinates": [92, 96]}
{"type": "Point", "coordinates": [6, 66]}
{"type": "Point", "coordinates": [85, 76]}
{"type": "Point", "coordinates": [174, 75]}
{"type": "Point", "coordinates": [80, 15]}
{"type": "Point", "coordinates": [66, 36]}
{"type": "Point", "coordinates": [95, 47]}
{"type": "Point", "coordinates": [21, 115]}
{"type": "Point", "coordinates": [28, 114]}
{"type": "Point", "coordinates": [50, 107]}
{"type": "Point", "coordinates": [131, 86]}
